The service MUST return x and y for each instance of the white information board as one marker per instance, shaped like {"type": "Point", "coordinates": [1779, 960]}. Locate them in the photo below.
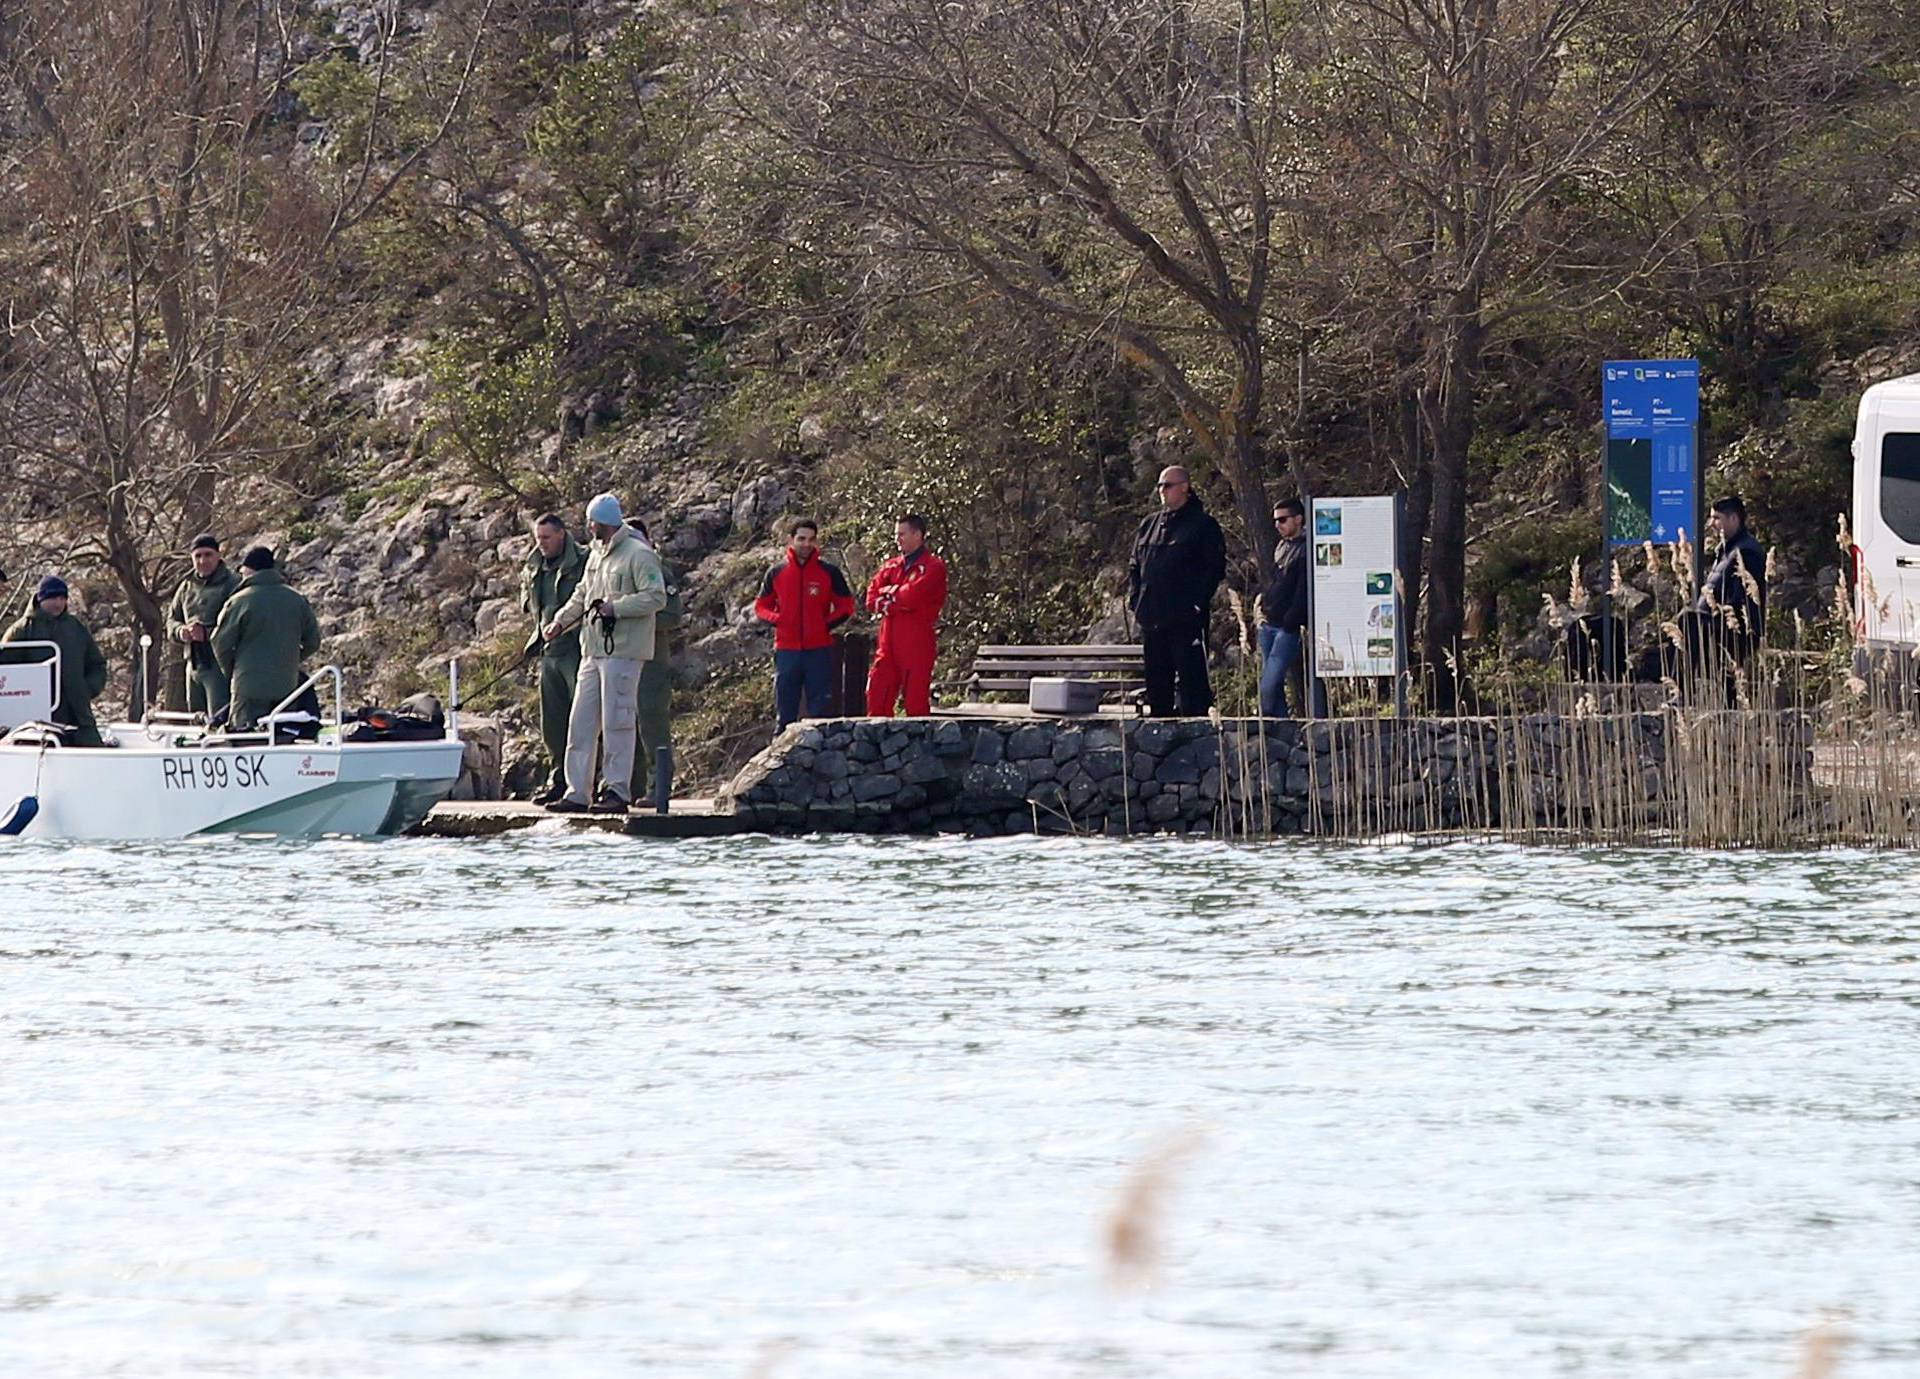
{"type": "Point", "coordinates": [1356, 609]}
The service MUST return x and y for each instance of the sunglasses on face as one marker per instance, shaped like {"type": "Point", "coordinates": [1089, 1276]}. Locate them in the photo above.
{"type": "Point", "coordinates": [1171, 483]}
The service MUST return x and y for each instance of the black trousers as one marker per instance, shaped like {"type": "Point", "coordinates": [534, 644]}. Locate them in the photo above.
{"type": "Point", "coordinates": [1176, 664]}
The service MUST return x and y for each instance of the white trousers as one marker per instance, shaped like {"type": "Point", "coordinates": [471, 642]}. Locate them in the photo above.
{"type": "Point", "coordinates": [606, 704]}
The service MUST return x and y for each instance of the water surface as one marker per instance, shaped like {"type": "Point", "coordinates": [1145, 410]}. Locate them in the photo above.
{"type": "Point", "coordinates": [859, 1107]}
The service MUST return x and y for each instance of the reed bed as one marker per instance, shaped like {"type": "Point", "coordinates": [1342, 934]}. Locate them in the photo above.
{"type": "Point", "coordinates": [1805, 742]}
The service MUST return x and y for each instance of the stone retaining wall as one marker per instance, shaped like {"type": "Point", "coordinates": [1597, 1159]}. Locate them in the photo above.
{"type": "Point", "coordinates": [480, 772]}
{"type": "Point", "coordinates": [1630, 772]}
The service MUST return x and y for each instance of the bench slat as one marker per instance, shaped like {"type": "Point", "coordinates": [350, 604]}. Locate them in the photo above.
{"type": "Point", "coordinates": [1091, 651]}
{"type": "Point", "coordinates": [1057, 667]}
{"type": "Point", "coordinates": [1106, 686]}
{"type": "Point", "coordinates": [1116, 667]}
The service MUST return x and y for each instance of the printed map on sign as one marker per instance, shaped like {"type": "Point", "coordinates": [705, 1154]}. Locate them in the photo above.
{"type": "Point", "coordinates": [1355, 609]}
{"type": "Point", "coordinates": [1652, 410]}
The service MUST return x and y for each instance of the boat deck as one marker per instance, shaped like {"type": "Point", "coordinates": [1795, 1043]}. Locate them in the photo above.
{"type": "Point", "coordinates": [489, 818]}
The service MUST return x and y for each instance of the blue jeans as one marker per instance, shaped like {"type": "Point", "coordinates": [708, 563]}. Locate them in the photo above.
{"type": "Point", "coordinates": [794, 671]}
{"type": "Point", "coordinates": [1279, 653]}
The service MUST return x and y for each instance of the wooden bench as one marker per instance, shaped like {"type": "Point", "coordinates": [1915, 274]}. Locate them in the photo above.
{"type": "Point", "coordinates": [1119, 668]}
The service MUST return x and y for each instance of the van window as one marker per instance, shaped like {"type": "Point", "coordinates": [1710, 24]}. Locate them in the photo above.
{"type": "Point", "coordinates": [1900, 484]}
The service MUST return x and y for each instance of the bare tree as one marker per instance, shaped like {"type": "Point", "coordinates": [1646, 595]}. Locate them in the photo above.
{"type": "Point", "coordinates": [1111, 162]}
{"type": "Point", "coordinates": [1784, 141]}
{"type": "Point", "coordinates": [168, 254]}
{"type": "Point", "coordinates": [1455, 128]}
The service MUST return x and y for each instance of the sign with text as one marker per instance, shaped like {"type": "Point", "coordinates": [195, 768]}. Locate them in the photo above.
{"type": "Point", "coordinates": [1652, 411]}
{"type": "Point", "coordinates": [1356, 605]}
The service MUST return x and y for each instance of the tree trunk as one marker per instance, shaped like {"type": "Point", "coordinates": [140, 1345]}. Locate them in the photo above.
{"type": "Point", "coordinates": [149, 614]}
{"type": "Point", "coordinates": [1461, 345]}
{"type": "Point", "coordinates": [170, 672]}
{"type": "Point", "coordinates": [1417, 471]}
{"type": "Point", "coordinates": [1243, 461]}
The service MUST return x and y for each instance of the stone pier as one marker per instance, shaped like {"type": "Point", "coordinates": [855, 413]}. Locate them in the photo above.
{"type": "Point", "coordinates": [1652, 772]}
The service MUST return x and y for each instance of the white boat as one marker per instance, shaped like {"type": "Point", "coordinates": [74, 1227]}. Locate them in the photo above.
{"type": "Point", "coordinates": [170, 777]}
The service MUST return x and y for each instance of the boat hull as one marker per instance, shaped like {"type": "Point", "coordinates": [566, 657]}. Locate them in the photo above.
{"type": "Point", "coordinates": [176, 788]}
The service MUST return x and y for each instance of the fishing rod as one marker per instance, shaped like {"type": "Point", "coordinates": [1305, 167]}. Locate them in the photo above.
{"type": "Point", "coordinates": [525, 656]}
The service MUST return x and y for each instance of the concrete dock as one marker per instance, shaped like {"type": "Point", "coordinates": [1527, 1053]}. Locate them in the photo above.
{"type": "Point", "coordinates": [488, 818]}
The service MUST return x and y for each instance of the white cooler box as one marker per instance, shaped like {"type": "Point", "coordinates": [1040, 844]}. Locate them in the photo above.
{"type": "Point", "coordinates": [1054, 694]}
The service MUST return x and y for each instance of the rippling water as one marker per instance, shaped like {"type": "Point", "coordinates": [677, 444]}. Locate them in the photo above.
{"type": "Point", "coordinates": [852, 1107]}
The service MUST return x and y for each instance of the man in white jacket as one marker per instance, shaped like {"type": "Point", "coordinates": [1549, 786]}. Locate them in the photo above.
{"type": "Point", "coordinates": [614, 606]}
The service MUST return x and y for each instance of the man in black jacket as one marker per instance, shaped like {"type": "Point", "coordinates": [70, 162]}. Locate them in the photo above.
{"type": "Point", "coordinates": [1283, 608]}
{"type": "Point", "coordinates": [1735, 596]}
{"type": "Point", "coordinates": [1179, 557]}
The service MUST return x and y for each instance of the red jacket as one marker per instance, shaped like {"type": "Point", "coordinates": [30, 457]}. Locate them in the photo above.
{"type": "Point", "coordinates": [908, 594]}
{"type": "Point", "coordinates": [803, 602]}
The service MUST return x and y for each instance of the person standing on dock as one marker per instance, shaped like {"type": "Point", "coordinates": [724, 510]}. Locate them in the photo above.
{"type": "Point", "coordinates": [804, 598]}
{"type": "Point", "coordinates": [619, 593]}
{"type": "Point", "coordinates": [1735, 593]}
{"type": "Point", "coordinates": [907, 593]}
{"type": "Point", "coordinates": [83, 670]}
{"type": "Point", "coordinates": [547, 581]}
{"type": "Point", "coordinates": [191, 618]}
{"type": "Point", "coordinates": [265, 631]}
{"type": "Point", "coordinates": [1283, 607]}
{"type": "Point", "coordinates": [653, 757]}
{"type": "Point", "coordinates": [1179, 559]}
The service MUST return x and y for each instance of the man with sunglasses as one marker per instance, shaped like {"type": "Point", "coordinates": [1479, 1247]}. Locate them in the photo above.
{"type": "Point", "coordinates": [1283, 607]}
{"type": "Point", "coordinates": [1179, 557]}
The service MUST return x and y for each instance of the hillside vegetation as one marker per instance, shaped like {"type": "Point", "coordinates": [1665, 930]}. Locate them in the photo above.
{"type": "Point", "coordinates": [379, 282]}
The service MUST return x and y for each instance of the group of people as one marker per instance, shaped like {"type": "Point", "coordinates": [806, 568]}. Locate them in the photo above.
{"type": "Point", "coordinates": [606, 612]}
{"type": "Point", "coordinates": [604, 615]}
{"type": "Point", "coordinates": [1179, 558]}
{"type": "Point", "coordinates": [1178, 561]}
{"type": "Point", "coordinates": [243, 638]}
{"type": "Point", "coordinates": [805, 597]}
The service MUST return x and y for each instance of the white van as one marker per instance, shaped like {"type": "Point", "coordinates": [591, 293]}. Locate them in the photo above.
{"type": "Point", "coordinates": [1886, 516]}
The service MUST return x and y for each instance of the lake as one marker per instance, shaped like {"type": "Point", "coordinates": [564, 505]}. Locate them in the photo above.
{"type": "Point", "coordinates": [585, 1106]}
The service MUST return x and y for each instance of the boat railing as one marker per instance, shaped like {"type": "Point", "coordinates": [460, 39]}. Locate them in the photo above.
{"type": "Point", "coordinates": [280, 714]}
{"type": "Point", "coordinates": [52, 661]}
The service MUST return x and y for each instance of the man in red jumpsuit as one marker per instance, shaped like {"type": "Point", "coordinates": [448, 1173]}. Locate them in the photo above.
{"type": "Point", "coordinates": [907, 594]}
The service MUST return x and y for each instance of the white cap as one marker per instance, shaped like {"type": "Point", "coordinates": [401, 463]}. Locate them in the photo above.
{"type": "Point", "coordinates": [605, 510]}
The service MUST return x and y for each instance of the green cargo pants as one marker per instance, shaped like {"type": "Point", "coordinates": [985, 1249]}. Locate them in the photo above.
{"type": "Point", "coordinates": [207, 689]}
{"type": "Point", "coordinates": [655, 728]}
{"type": "Point", "coordinates": [247, 714]}
{"type": "Point", "coordinates": [558, 675]}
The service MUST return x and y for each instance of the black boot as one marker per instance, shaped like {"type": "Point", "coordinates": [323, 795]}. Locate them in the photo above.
{"type": "Point", "coordinates": [662, 779]}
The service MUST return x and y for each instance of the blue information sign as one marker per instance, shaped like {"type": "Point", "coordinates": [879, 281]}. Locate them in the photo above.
{"type": "Point", "coordinates": [1652, 409]}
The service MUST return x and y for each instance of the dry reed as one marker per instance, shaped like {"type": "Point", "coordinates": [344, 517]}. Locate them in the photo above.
{"type": "Point", "coordinates": [767, 1357]}
{"type": "Point", "coordinates": [1133, 1230]}
{"type": "Point", "coordinates": [1810, 744]}
{"type": "Point", "coordinates": [1820, 1352]}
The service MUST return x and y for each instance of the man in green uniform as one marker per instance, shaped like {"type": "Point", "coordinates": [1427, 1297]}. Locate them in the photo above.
{"type": "Point", "coordinates": [547, 581]}
{"type": "Point", "coordinates": [191, 618]}
{"type": "Point", "coordinates": [83, 670]}
{"type": "Point", "coordinates": [265, 631]}
{"type": "Point", "coordinates": [653, 762]}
